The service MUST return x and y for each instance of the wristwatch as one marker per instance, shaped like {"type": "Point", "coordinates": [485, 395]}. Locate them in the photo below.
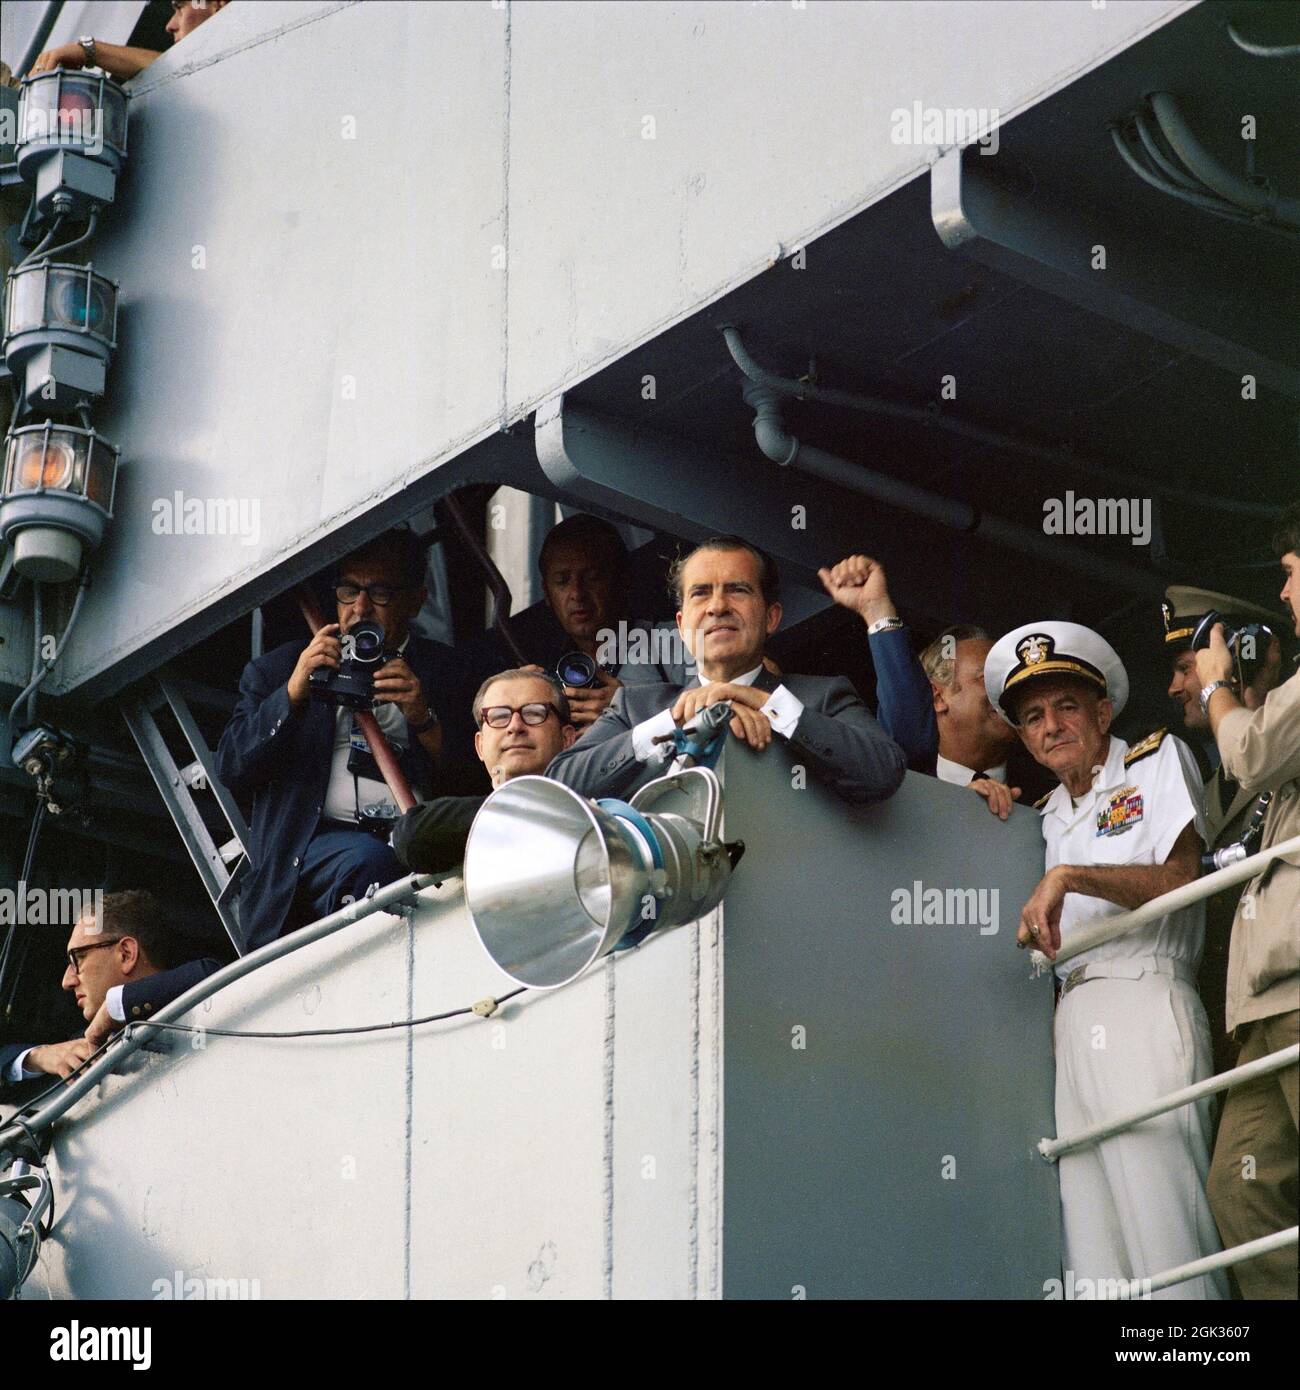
{"type": "Point", "coordinates": [885, 625]}
{"type": "Point", "coordinates": [88, 43]}
{"type": "Point", "coordinates": [1208, 692]}
{"type": "Point", "coordinates": [425, 724]}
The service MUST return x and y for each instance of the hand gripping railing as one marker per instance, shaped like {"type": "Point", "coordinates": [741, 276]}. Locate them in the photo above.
{"type": "Point", "coordinates": [1106, 929]}
{"type": "Point", "coordinates": [15, 1138]}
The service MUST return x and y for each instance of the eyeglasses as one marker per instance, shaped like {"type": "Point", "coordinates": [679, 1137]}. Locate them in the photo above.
{"type": "Point", "coordinates": [499, 716]}
{"type": "Point", "coordinates": [75, 954]}
{"type": "Point", "coordinates": [381, 595]}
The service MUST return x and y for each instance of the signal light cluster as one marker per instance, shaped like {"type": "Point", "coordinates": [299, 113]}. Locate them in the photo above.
{"type": "Point", "coordinates": [58, 477]}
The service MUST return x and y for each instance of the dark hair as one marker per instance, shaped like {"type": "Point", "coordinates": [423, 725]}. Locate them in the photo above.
{"type": "Point", "coordinates": [558, 698]}
{"type": "Point", "coordinates": [1286, 536]}
{"type": "Point", "coordinates": [585, 530]}
{"type": "Point", "coordinates": [769, 577]}
{"type": "Point", "coordinates": [400, 547]}
{"type": "Point", "coordinates": [138, 914]}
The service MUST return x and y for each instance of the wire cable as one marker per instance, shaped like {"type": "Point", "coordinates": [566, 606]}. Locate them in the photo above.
{"type": "Point", "coordinates": [496, 1001]}
{"type": "Point", "coordinates": [40, 675]}
{"type": "Point", "coordinates": [42, 244]}
{"type": "Point", "coordinates": [38, 820]}
{"type": "Point", "coordinates": [76, 241]}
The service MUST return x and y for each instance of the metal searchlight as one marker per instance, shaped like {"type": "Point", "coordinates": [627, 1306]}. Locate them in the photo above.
{"type": "Point", "coordinates": [553, 882]}
{"type": "Point", "coordinates": [56, 498]}
{"type": "Point", "coordinates": [71, 140]}
{"type": "Point", "coordinates": [60, 330]}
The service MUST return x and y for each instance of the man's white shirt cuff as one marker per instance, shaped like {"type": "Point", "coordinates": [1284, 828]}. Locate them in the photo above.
{"type": "Point", "coordinates": [17, 1070]}
{"type": "Point", "coordinates": [783, 709]}
{"type": "Point", "coordinates": [644, 734]}
{"type": "Point", "coordinates": [114, 1001]}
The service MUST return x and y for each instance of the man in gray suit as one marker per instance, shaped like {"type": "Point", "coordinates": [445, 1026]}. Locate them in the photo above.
{"type": "Point", "coordinates": [728, 603]}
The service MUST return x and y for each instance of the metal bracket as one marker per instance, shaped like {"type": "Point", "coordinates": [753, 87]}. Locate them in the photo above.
{"type": "Point", "coordinates": [699, 785]}
{"type": "Point", "coordinates": [1041, 246]}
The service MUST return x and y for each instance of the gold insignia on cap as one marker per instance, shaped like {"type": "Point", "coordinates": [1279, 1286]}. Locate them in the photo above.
{"type": "Point", "coordinates": [1034, 648]}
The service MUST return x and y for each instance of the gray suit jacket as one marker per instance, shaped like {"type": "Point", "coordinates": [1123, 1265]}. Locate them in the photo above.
{"type": "Point", "coordinates": [836, 739]}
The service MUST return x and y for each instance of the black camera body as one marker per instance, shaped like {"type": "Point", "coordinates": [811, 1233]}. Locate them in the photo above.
{"type": "Point", "coordinates": [578, 671]}
{"type": "Point", "coordinates": [353, 684]}
{"type": "Point", "coordinates": [1248, 643]}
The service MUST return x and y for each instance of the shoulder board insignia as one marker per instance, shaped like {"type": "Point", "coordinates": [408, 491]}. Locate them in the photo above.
{"type": "Point", "coordinates": [1145, 748]}
{"type": "Point", "coordinates": [1042, 801]}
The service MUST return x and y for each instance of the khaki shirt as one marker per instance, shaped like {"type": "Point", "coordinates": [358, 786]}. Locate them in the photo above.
{"type": "Point", "coordinates": [1261, 750]}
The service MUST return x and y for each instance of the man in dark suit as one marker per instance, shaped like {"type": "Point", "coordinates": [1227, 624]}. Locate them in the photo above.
{"type": "Point", "coordinates": [728, 604]}
{"type": "Point", "coordinates": [321, 813]}
{"type": "Point", "coordinates": [120, 944]}
{"type": "Point", "coordinates": [523, 721]}
{"type": "Point", "coordinates": [314, 785]}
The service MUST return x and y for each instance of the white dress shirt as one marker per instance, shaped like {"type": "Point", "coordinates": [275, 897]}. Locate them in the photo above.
{"type": "Point", "coordinates": [959, 776]}
{"type": "Point", "coordinates": [781, 707]}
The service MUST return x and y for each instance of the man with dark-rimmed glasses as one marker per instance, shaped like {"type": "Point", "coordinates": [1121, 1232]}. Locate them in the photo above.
{"type": "Point", "coordinates": [523, 721]}
{"type": "Point", "coordinates": [113, 950]}
{"type": "Point", "coordinates": [322, 813]}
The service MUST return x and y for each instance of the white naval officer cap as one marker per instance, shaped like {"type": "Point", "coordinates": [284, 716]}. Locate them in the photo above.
{"type": "Point", "coordinates": [1053, 649]}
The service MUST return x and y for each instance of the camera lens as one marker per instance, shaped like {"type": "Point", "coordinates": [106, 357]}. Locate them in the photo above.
{"type": "Point", "coordinates": [367, 642]}
{"type": "Point", "coordinates": [577, 669]}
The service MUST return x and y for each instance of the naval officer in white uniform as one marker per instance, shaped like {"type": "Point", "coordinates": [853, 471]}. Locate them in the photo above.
{"type": "Point", "coordinates": [1124, 826]}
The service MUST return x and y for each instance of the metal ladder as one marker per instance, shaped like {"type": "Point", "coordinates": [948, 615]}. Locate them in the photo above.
{"type": "Point", "coordinates": [221, 867]}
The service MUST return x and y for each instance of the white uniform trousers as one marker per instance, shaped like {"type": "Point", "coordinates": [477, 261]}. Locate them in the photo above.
{"type": "Point", "coordinates": [1134, 1205]}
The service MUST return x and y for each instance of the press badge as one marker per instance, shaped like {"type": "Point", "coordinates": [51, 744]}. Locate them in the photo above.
{"type": "Point", "coordinates": [361, 762]}
{"type": "Point", "coordinates": [1121, 812]}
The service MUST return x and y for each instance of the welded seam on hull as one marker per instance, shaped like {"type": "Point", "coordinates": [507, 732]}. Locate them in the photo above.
{"type": "Point", "coordinates": [255, 42]}
{"type": "Point", "coordinates": [715, 1054]}
{"type": "Point", "coordinates": [505, 236]}
{"type": "Point", "coordinates": [410, 1104]}
{"type": "Point", "coordinates": [693, 1227]}
{"type": "Point", "coordinates": [609, 1129]}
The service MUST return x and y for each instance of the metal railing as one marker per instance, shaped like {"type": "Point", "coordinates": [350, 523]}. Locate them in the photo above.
{"type": "Point", "coordinates": [1104, 929]}
{"type": "Point", "coordinates": [402, 891]}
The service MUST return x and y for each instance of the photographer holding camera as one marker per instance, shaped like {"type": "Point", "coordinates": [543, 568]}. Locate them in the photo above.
{"type": "Point", "coordinates": [1253, 1176]}
{"type": "Point", "coordinates": [321, 811]}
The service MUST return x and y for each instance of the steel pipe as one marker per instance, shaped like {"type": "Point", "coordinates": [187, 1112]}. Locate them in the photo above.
{"type": "Point", "coordinates": [993, 439]}
{"type": "Point", "coordinates": [785, 449]}
{"type": "Point", "coordinates": [1224, 182]}
{"type": "Point", "coordinates": [1207, 1265]}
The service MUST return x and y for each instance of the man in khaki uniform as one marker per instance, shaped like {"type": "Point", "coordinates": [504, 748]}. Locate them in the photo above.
{"type": "Point", "coordinates": [1229, 807]}
{"type": "Point", "coordinates": [1255, 1173]}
